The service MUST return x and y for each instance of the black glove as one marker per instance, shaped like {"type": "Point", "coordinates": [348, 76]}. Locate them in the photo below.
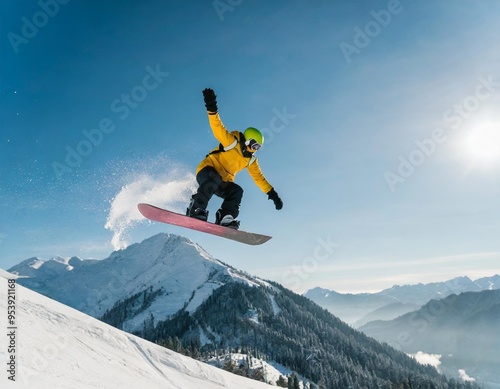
{"type": "Point", "coordinates": [274, 196]}
{"type": "Point", "coordinates": [210, 99]}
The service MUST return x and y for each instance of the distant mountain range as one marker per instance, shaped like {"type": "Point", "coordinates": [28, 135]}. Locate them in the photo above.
{"type": "Point", "coordinates": [463, 329]}
{"type": "Point", "coordinates": [169, 290]}
{"type": "Point", "coordinates": [359, 309]}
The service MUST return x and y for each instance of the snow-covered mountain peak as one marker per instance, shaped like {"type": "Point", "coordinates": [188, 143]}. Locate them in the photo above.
{"type": "Point", "coordinates": [61, 260]}
{"type": "Point", "coordinates": [33, 266]}
{"type": "Point", "coordinates": [158, 276]}
{"type": "Point", "coordinates": [56, 265]}
{"type": "Point", "coordinates": [30, 263]}
{"type": "Point", "coordinates": [459, 283]}
{"type": "Point", "coordinates": [318, 293]}
{"type": "Point", "coordinates": [160, 248]}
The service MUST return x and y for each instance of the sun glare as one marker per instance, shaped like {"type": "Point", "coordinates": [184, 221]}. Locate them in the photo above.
{"type": "Point", "coordinates": [482, 143]}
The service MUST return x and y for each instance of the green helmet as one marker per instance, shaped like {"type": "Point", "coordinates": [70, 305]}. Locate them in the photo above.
{"type": "Point", "coordinates": [253, 133]}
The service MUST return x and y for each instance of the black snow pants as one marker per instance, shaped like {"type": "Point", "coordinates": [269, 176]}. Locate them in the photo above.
{"type": "Point", "coordinates": [210, 183]}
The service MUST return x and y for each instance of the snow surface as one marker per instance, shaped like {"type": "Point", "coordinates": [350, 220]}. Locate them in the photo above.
{"type": "Point", "coordinates": [276, 307]}
{"type": "Point", "coordinates": [59, 347]}
{"type": "Point", "coordinates": [271, 370]}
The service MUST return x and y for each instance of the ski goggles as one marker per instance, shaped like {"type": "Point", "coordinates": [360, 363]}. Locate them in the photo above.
{"type": "Point", "coordinates": [253, 144]}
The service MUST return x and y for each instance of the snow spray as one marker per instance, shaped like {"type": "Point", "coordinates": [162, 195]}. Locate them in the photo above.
{"type": "Point", "coordinates": [171, 191]}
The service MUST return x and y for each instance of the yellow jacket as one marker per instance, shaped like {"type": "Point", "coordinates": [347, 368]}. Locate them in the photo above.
{"type": "Point", "coordinates": [229, 163]}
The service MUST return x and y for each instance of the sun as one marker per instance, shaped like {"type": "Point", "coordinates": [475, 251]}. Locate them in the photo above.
{"type": "Point", "coordinates": [482, 143]}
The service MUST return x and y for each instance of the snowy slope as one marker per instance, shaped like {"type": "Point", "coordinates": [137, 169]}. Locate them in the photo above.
{"type": "Point", "coordinates": [59, 347]}
{"type": "Point", "coordinates": [174, 267]}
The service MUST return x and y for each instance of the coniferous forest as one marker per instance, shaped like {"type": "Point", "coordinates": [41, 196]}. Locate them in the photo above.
{"type": "Point", "coordinates": [275, 324]}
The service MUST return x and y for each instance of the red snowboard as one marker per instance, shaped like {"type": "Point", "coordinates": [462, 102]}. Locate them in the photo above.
{"type": "Point", "coordinates": [162, 215]}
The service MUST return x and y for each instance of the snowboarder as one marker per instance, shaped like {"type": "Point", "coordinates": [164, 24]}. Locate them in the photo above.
{"type": "Point", "coordinates": [216, 173]}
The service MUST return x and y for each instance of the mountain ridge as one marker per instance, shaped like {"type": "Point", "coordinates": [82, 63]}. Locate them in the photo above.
{"type": "Point", "coordinates": [357, 308]}
{"type": "Point", "coordinates": [463, 329]}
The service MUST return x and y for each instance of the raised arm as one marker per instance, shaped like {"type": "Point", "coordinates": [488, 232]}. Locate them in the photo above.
{"type": "Point", "coordinates": [220, 132]}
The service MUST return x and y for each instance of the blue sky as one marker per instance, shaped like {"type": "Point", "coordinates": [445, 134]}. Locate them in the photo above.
{"type": "Point", "coordinates": [381, 119]}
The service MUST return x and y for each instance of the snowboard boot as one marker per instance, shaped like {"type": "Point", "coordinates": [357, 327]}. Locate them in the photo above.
{"type": "Point", "coordinates": [225, 219]}
{"type": "Point", "coordinates": [197, 213]}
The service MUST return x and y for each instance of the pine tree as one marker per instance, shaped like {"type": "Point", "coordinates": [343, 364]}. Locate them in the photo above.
{"type": "Point", "coordinates": [282, 382]}
{"type": "Point", "coordinates": [176, 345]}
